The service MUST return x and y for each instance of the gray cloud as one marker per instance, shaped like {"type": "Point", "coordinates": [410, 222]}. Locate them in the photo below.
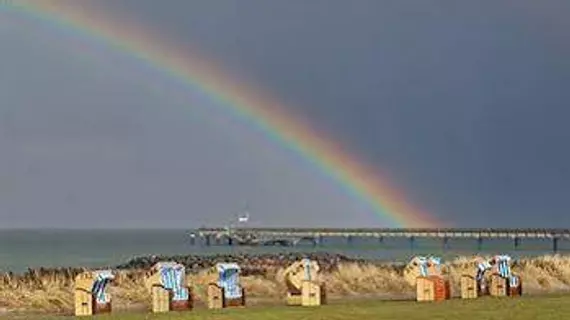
{"type": "Point", "coordinates": [462, 104]}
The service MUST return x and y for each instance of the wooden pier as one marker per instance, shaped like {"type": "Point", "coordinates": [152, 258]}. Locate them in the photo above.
{"type": "Point", "coordinates": [252, 236]}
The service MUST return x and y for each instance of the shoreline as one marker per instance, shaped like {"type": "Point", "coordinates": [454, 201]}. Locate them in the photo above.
{"type": "Point", "coordinates": [253, 263]}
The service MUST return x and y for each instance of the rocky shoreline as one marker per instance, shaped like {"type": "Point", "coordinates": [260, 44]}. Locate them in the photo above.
{"type": "Point", "coordinates": [250, 263]}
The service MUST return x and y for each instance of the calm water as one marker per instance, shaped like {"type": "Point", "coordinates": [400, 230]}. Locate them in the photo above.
{"type": "Point", "coordinates": [20, 250]}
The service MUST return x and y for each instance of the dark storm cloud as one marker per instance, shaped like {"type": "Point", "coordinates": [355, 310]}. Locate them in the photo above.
{"type": "Point", "coordinates": [464, 104]}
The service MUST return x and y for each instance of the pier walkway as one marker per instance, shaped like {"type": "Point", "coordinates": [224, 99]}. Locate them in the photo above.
{"type": "Point", "coordinates": [291, 236]}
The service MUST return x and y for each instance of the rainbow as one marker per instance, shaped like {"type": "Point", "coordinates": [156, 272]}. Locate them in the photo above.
{"type": "Point", "coordinates": [254, 108]}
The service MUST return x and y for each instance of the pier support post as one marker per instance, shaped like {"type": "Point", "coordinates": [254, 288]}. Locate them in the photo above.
{"type": "Point", "coordinates": [479, 243]}
{"type": "Point", "coordinates": [517, 241]}
{"type": "Point", "coordinates": [319, 240]}
{"type": "Point", "coordinates": [412, 243]}
{"type": "Point", "coordinates": [555, 245]}
{"type": "Point", "coordinates": [208, 240]}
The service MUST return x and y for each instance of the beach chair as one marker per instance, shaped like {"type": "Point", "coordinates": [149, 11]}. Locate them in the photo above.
{"type": "Point", "coordinates": [169, 287]}
{"type": "Point", "coordinates": [303, 287]}
{"type": "Point", "coordinates": [224, 289]}
{"type": "Point", "coordinates": [431, 283]}
{"type": "Point", "coordinates": [91, 296]}
{"type": "Point", "coordinates": [474, 285]}
{"type": "Point", "coordinates": [503, 282]}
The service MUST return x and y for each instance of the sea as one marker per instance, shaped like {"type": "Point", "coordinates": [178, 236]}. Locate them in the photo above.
{"type": "Point", "coordinates": [24, 249]}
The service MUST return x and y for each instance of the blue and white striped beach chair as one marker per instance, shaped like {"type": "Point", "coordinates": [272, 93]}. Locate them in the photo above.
{"type": "Point", "coordinates": [229, 280]}
{"type": "Point", "coordinates": [90, 290]}
{"type": "Point", "coordinates": [172, 277]}
{"type": "Point", "coordinates": [504, 269]}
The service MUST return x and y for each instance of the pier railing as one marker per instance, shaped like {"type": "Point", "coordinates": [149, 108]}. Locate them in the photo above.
{"type": "Point", "coordinates": [387, 232]}
{"type": "Point", "coordinates": [317, 234]}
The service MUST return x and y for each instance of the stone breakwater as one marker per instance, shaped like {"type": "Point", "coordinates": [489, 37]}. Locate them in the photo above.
{"type": "Point", "coordinates": [251, 264]}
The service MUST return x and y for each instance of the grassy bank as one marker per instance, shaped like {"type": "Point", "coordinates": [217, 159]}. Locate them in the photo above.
{"type": "Point", "coordinates": [524, 308]}
{"type": "Point", "coordinates": [52, 292]}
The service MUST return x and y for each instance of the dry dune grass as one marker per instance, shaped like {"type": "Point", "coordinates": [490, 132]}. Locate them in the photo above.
{"type": "Point", "coordinates": [52, 290]}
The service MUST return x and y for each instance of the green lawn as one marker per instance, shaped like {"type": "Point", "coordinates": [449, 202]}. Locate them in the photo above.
{"type": "Point", "coordinates": [525, 308]}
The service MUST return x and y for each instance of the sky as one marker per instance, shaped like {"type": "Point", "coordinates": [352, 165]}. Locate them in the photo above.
{"type": "Point", "coordinates": [463, 104]}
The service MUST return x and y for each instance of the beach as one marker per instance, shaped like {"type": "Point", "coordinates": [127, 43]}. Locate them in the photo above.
{"type": "Point", "coordinates": [39, 266]}
{"type": "Point", "coordinates": [50, 290]}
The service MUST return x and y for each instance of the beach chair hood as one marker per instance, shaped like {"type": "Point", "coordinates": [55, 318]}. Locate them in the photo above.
{"type": "Point", "coordinates": [310, 268]}
{"type": "Point", "coordinates": [423, 263]}
{"type": "Point", "coordinates": [482, 267]}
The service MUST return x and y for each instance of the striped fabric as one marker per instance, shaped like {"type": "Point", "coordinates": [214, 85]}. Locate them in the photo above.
{"type": "Point", "coordinates": [229, 279]}
{"type": "Point", "coordinates": [482, 267]}
{"type": "Point", "coordinates": [503, 265]}
{"type": "Point", "coordinates": [172, 278]}
{"type": "Point", "coordinates": [424, 262]}
{"type": "Point", "coordinates": [307, 268]}
{"type": "Point", "coordinates": [102, 278]}
{"type": "Point", "coordinates": [514, 281]}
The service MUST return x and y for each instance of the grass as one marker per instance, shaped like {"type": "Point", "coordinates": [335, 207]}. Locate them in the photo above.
{"type": "Point", "coordinates": [487, 308]}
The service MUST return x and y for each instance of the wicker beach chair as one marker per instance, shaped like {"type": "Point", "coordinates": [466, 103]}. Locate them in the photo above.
{"type": "Point", "coordinates": [169, 287]}
{"type": "Point", "coordinates": [91, 296]}
{"type": "Point", "coordinates": [503, 281]}
{"type": "Point", "coordinates": [303, 287]}
{"type": "Point", "coordinates": [225, 289]}
{"type": "Point", "coordinates": [431, 284]}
